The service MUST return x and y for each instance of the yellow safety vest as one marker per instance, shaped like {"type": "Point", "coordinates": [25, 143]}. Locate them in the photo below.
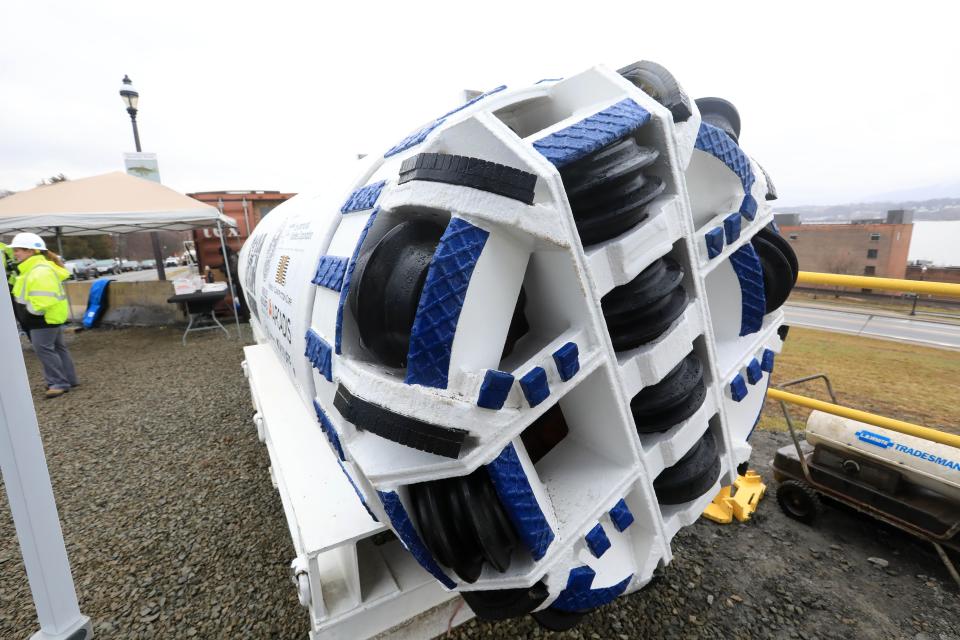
{"type": "Point", "coordinates": [39, 287]}
{"type": "Point", "coordinates": [9, 263]}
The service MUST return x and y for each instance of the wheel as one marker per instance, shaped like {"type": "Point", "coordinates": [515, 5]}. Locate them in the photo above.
{"type": "Point", "coordinates": [556, 620]}
{"type": "Point", "coordinates": [658, 83]}
{"type": "Point", "coordinates": [503, 604]}
{"type": "Point", "coordinates": [672, 400]}
{"type": "Point", "coordinates": [692, 475]}
{"type": "Point", "coordinates": [799, 501]}
{"type": "Point", "coordinates": [780, 267]}
{"type": "Point", "coordinates": [643, 309]}
{"type": "Point", "coordinates": [721, 114]}
{"type": "Point", "coordinates": [389, 278]}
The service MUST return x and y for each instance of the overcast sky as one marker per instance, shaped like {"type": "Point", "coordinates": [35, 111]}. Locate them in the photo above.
{"type": "Point", "coordinates": [838, 103]}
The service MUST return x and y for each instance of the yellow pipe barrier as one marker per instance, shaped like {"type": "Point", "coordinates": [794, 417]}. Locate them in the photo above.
{"type": "Point", "coordinates": [870, 418]}
{"type": "Point", "coordinates": [869, 282]}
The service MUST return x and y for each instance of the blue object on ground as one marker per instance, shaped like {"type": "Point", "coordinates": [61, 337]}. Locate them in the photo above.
{"type": "Point", "coordinates": [96, 303]}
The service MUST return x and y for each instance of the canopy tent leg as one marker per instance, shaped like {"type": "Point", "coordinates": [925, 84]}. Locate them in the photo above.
{"type": "Point", "coordinates": [226, 267]}
{"type": "Point", "coordinates": [30, 493]}
{"type": "Point", "coordinates": [60, 253]}
{"type": "Point", "coordinates": [158, 256]}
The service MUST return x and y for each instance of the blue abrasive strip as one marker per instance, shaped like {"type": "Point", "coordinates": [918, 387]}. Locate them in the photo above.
{"type": "Point", "coordinates": [516, 495]}
{"type": "Point", "coordinates": [621, 516]}
{"type": "Point", "coordinates": [597, 541]}
{"type": "Point", "coordinates": [578, 596]}
{"type": "Point", "coordinates": [473, 101]}
{"type": "Point", "coordinates": [363, 198]}
{"type": "Point", "coordinates": [717, 143]}
{"type": "Point", "coordinates": [592, 133]}
{"type": "Point", "coordinates": [328, 429]}
{"type": "Point", "coordinates": [567, 359]}
{"type": "Point", "coordinates": [534, 386]}
{"type": "Point", "coordinates": [319, 354]}
{"type": "Point", "coordinates": [330, 272]}
{"type": "Point", "coordinates": [345, 290]}
{"type": "Point", "coordinates": [494, 389]}
{"type": "Point", "coordinates": [334, 439]}
{"type": "Point", "coordinates": [414, 138]}
{"type": "Point", "coordinates": [441, 300]}
{"type": "Point", "coordinates": [410, 538]}
{"type": "Point", "coordinates": [753, 302]}
{"type": "Point", "coordinates": [356, 489]}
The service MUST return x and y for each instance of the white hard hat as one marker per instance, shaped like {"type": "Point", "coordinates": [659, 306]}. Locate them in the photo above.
{"type": "Point", "coordinates": [28, 241]}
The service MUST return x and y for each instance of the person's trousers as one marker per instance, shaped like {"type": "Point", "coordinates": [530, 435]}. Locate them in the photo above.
{"type": "Point", "coordinates": [57, 364]}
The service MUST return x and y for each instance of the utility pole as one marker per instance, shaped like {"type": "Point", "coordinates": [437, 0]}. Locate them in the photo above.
{"type": "Point", "coordinates": [130, 98]}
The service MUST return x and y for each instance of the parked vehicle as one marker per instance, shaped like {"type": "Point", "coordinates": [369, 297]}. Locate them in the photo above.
{"type": "Point", "coordinates": [148, 264]}
{"type": "Point", "coordinates": [129, 265]}
{"type": "Point", "coordinates": [172, 261]}
{"type": "Point", "coordinates": [106, 267]}
{"type": "Point", "coordinates": [82, 268]}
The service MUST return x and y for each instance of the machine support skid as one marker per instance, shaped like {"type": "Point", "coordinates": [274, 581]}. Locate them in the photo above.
{"type": "Point", "coordinates": [356, 580]}
{"type": "Point", "coordinates": [27, 483]}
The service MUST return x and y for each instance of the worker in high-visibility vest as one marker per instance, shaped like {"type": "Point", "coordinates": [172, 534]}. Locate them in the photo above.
{"type": "Point", "coordinates": [9, 264]}
{"type": "Point", "coordinates": [42, 309]}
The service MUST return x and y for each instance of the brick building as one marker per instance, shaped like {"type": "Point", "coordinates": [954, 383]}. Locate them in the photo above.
{"type": "Point", "coordinates": [933, 274]}
{"type": "Point", "coordinates": [247, 208]}
{"type": "Point", "coordinates": [862, 247]}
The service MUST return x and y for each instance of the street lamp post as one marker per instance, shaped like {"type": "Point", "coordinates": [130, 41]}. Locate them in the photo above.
{"type": "Point", "coordinates": [130, 98]}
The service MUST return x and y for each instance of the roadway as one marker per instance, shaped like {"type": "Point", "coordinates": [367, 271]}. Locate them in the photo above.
{"type": "Point", "coordinates": [926, 332]}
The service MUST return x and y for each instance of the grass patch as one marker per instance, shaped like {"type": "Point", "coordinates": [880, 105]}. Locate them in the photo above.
{"type": "Point", "coordinates": [893, 379]}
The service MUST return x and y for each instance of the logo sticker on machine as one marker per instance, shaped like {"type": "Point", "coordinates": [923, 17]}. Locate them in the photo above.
{"type": "Point", "coordinates": [884, 442]}
{"type": "Point", "coordinates": [282, 265]}
{"type": "Point", "coordinates": [875, 439]}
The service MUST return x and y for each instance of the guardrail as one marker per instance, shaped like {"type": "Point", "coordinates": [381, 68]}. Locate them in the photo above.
{"type": "Point", "coordinates": [899, 426]}
{"type": "Point", "coordinates": [868, 282]}
{"type": "Point", "coordinates": [888, 284]}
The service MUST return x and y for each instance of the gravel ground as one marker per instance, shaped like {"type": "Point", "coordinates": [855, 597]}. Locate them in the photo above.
{"type": "Point", "coordinates": [174, 530]}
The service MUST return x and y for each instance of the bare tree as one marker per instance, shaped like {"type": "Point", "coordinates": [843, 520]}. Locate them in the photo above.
{"type": "Point", "coordinates": [53, 180]}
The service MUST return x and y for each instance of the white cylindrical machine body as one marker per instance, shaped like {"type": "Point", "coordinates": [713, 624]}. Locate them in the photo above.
{"type": "Point", "coordinates": [588, 521]}
{"type": "Point", "coordinates": [276, 267]}
{"type": "Point", "coordinates": [929, 464]}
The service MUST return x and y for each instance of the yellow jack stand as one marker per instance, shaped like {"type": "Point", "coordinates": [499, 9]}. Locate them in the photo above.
{"type": "Point", "coordinates": [741, 505]}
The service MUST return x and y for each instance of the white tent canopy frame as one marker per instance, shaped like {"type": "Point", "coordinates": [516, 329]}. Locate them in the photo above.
{"type": "Point", "coordinates": [111, 203]}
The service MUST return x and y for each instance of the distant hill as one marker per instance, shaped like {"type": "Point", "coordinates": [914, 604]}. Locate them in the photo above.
{"type": "Point", "coordinates": [929, 209]}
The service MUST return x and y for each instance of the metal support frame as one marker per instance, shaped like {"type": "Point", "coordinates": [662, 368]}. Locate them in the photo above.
{"type": "Point", "coordinates": [226, 268]}
{"type": "Point", "coordinates": [30, 493]}
{"type": "Point", "coordinates": [879, 515]}
{"type": "Point", "coordinates": [196, 316]}
{"type": "Point", "coordinates": [900, 426]}
{"type": "Point", "coordinates": [67, 293]}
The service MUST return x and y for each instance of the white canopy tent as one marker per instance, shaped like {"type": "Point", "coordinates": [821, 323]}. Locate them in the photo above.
{"type": "Point", "coordinates": [111, 203]}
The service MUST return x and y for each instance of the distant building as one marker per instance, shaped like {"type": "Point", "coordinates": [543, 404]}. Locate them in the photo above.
{"type": "Point", "coordinates": [862, 247]}
{"type": "Point", "coordinates": [933, 274]}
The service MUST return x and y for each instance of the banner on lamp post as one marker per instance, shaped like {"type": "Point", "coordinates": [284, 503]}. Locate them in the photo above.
{"type": "Point", "coordinates": [142, 165]}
